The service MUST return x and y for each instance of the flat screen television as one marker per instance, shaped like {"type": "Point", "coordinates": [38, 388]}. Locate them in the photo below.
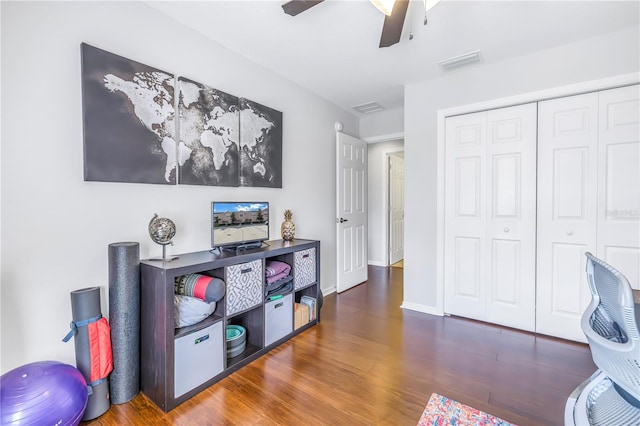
{"type": "Point", "coordinates": [237, 224]}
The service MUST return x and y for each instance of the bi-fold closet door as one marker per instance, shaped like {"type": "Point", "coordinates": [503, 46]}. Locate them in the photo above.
{"type": "Point", "coordinates": [490, 185]}
{"type": "Point", "coordinates": [588, 200]}
{"type": "Point", "coordinates": [516, 228]}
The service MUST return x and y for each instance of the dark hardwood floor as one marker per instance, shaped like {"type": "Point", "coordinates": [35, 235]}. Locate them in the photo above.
{"type": "Point", "coordinates": [370, 362]}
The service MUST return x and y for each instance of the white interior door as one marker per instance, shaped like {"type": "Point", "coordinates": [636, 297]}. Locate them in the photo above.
{"type": "Point", "coordinates": [619, 185]}
{"type": "Point", "coordinates": [351, 218]}
{"type": "Point", "coordinates": [490, 216]}
{"type": "Point", "coordinates": [567, 199]}
{"type": "Point", "coordinates": [396, 208]}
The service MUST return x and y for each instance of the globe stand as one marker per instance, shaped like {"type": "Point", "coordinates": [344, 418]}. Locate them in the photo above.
{"type": "Point", "coordinates": [164, 257]}
{"type": "Point", "coordinates": [161, 231]}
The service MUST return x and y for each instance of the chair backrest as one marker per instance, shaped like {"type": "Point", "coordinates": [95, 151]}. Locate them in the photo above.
{"type": "Point", "coordinates": [609, 323]}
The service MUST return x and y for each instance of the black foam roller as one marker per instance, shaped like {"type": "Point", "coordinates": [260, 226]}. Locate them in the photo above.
{"type": "Point", "coordinates": [85, 304]}
{"type": "Point", "coordinates": [124, 319]}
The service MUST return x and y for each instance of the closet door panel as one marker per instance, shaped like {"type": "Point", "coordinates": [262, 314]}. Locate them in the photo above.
{"type": "Point", "coordinates": [569, 281]}
{"type": "Point", "coordinates": [490, 216]}
{"type": "Point", "coordinates": [626, 260]}
{"type": "Point", "coordinates": [511, 221]}
{"type": "Point", "coordinates": [467, 269]}
{"type": "Point", "coordinates": [467, 187]}
{"type": "Point", "coordinates": [465, 181]}
{"type": "Point", "coordinates": [566, 222]}
{"type": "Point", "coordinates": [505, 270]}
{"type": "Point", "coordinates": [570, 168]}
{"type": "Point", "coordinates": [619, 181]}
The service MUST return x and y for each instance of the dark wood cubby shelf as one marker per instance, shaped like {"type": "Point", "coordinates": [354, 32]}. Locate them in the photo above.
{"type": "Point", "coordinates": [157, 331]}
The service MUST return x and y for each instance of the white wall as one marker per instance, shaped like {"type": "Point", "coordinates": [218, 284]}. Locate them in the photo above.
{"type": "Point", "coordinates": [610, 55]}
{"type": "Point", "coordinates": [0, 197]}
{"type": "Point", "coordinates": [56, 228]}
{"type": "Point", "coordinates": [378, 198]}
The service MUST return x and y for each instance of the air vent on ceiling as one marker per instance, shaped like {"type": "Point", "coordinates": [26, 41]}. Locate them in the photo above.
{"type": "Point", "coordinates": [460, 61]}
{"type": "Point", "coordinates": [368, 108]}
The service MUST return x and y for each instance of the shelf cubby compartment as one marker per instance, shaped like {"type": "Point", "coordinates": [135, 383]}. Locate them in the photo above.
{"type": "Point", "coordinates": [311, 290]}
{"type": "Point", "coordinates": [285, 258]}
{"type": "Point", "coordinates": [252, 321]}
{"type": "Point", "coordinates": [218, 313]}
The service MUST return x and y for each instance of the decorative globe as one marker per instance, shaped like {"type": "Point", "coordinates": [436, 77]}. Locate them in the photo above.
{"type": "Point", "coordinates": [161, 230]}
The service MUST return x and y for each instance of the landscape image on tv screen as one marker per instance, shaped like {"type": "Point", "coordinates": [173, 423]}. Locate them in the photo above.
{"type": "Point", "coordinates": [235, 223]}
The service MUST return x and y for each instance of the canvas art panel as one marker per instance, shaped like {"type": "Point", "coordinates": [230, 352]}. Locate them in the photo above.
{"type": "Point", "coordinates": [128, 120]}
{"type": "Point", "coordinates": [209, 130]}
{"type": "Point", "coordinates": [260, 145]}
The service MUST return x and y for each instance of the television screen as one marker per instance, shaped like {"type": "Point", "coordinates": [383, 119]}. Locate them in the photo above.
{"type": "Point", "coordinates": [236, 223]}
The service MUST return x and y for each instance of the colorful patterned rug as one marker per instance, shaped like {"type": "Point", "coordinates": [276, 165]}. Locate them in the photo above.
{"type": "Point", "coordinates": [442, 411]}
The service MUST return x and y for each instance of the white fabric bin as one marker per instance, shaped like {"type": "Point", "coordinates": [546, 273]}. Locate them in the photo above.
{"type": "Point", "coordinates": [278, 319]}
{"type": "Point", "coordinates": [199, 356]}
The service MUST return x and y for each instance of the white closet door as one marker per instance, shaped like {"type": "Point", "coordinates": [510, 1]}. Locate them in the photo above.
{"type": "Point", "coordinates": [511, 216]}
{"type": "Point", "coordinates": [619, 183]}
{"type": "Point", "coordinates": [490, 216]}
{"type": "Point", "coordinates": [465, 221]}
{"type": "Point", "coordinates": [567, 175]}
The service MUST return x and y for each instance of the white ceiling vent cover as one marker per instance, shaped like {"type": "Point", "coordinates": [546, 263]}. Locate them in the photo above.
{"type": "Point", "coordinates": [460, 61]}
{"type": "Point", "coordinates": [368, 108]}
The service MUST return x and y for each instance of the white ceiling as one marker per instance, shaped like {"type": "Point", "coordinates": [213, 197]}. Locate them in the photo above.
{"type": "Point", "coordinates": [332, 48]}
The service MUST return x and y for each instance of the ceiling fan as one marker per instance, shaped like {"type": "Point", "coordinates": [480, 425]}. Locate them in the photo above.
{"type": "Point", "coordinates": [393, 20]}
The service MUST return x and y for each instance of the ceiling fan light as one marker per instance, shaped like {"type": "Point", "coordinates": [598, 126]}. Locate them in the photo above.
{"type": "Point", "coordinates": [428, 4]}
{"type": "Point", "coordinates": [384, 6]}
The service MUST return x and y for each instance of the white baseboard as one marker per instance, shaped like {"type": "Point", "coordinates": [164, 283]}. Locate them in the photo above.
{"type": "Point", "coordinates": [328, 291]}
{"type": "Point", "coordinates": [422, 308]}
{"type": "Point", "coordinates": [375, 263]}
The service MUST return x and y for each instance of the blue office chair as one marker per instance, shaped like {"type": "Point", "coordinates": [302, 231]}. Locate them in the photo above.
{"type": "Point", "coordinates": [609, 323]}
{"type": "Point", "coordinates": [612, 395]}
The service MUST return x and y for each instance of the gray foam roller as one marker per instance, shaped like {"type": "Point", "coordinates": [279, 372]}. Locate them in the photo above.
{"type": "Point", "coordinates": [85, 304]}
{"type": "Point", "coordinates": [215, 290]}
{"type": "Point", "coordinates": [124, 319]}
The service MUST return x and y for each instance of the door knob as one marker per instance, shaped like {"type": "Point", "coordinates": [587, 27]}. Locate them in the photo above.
{"type": "Point", "coordinates": [506, 229]}
{"type": "Point", "coordinates": [342, 220]}
{"type": "Point", "coordinates": [569, 232]}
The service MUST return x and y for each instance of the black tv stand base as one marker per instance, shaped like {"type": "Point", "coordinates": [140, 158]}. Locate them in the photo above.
{"type": "Point", "coordinates": [238, 248]}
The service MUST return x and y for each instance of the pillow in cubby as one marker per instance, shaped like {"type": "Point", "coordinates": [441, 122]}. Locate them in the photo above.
{"type": "Point", "coordinates": [189, 310]}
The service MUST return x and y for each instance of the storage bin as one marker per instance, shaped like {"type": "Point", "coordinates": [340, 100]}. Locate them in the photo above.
{"type": "Point", "coordinates": [278, 319]}
{"type": "Point", "coordinates": [301, 315]}
{"type": "Point", "coordinates": [304, 268]}
{"type": "Point", "coordinates": [244, 286]}
{"type": "Point", "coordinates": [199, 356]}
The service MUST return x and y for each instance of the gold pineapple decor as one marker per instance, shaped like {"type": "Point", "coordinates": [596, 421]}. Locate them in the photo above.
{"type": "Point", "coordinates": [288, 228]}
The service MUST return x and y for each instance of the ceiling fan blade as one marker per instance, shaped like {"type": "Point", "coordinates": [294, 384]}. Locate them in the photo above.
{"type": "Point", "coordinates": [294, 7]}
{"type": "Point", "coordinates": [392, 27]}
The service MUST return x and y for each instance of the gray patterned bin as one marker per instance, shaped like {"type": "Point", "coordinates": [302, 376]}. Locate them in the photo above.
{"type": "Point", "coordinates": [244, 286]}
{"type": "Point", "coordinates": [304, 268]}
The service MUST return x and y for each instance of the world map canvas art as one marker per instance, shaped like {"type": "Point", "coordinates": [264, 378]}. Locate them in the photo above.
{"type": "Point", "coordinates": [209, 123]}
{"type": "Point", "coordinates": [129, 120]}
{"type": "Point", "coordinates": [131, 133]}
{"type": "Point", "coordinates": [260, 145]}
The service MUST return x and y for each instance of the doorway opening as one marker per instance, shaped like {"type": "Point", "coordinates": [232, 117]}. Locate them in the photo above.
{"type": "Point", "coordinates": [395, 209]}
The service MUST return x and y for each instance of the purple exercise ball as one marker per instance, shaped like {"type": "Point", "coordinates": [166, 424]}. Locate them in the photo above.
{"type": "Point", "coordinates": [43, 393]}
